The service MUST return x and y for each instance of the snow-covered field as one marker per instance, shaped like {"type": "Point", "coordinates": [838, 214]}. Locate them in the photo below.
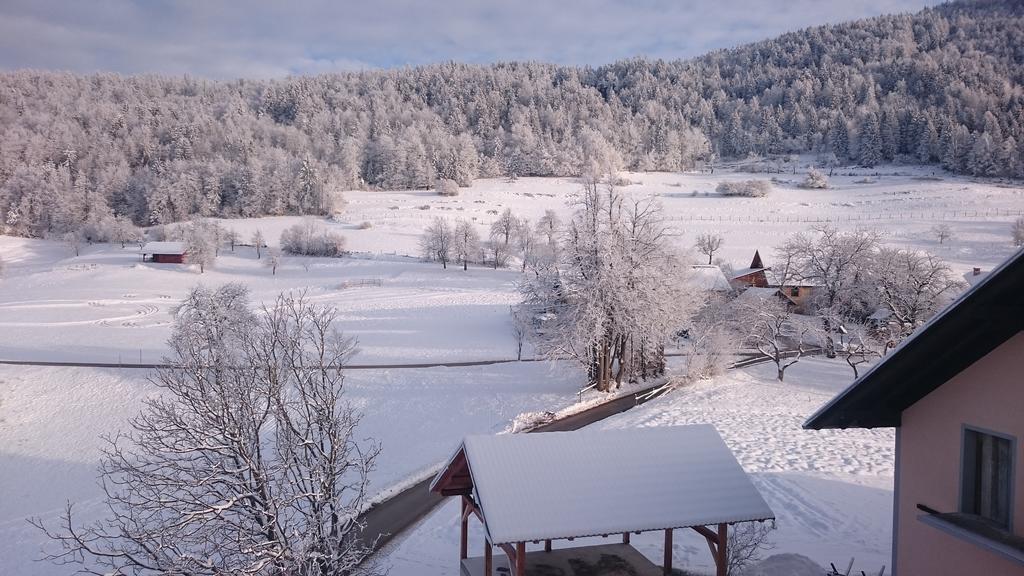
{"type": "Point", "coordinates": [832, 491]}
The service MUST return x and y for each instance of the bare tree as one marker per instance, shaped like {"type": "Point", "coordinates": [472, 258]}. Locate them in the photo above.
{"type": "Point", "coordinates": [232, 237]}
{"type": "Point", "coordinates": [1017, 232]}
{"type": "Point", "coordinates": [942, 232]}
{"type": "Point", "coordinates": [710, 339]}
{"type": "Point", "coordinates": [466, 242]}
{"type": "Point", "coordinates": [259, 242]}
{"type": "Point", "coordinates": [447, 187]}
{"type": "Point", "coordinates": [520, 328]}
{"type": "Point", "coordinates": [550, 226]}
{"type": "Point", "coordinates": [861, 347]}
{"type": "Point", "coordinates": [499, 252]}
{"type": "Point", "coordinates": [913, 286]}
{"type": "Point", "coordinates": [438, 241]}
{"type": "Point", "coordinates": [246, 463]}
{"type": "Point", "coordinates": [815, 180]}
{"type": "Point", "coordinates": [838, 264]}
{"type": "Point", "coordinates": [708, 244]}
{"type": "Point", "coordinates": [123, 231]}
{"type": "Point", "coordinates": [73, 241]}
{"type": "Point", "coordinates": [273, 260]}
{"type": "Point", "coordinates": [775, 331]}
{"type": "Point", "coordinates": [747, 542]}
{"type": "Point", "coordinates": [504, 228]}
{"type": "Point", "coordinates": [526, 244]}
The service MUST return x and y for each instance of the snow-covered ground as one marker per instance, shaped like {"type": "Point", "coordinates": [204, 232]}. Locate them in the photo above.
{"type": "Point", "coordinates": [831, 491]}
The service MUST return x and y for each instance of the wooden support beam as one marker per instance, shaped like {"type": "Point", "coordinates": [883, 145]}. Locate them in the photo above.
{"type": "Point", "coordinates": [668, 552]}
{"type": "Point", "coordinates": [464, 527]}
{"type": "Point", "coordinates": [625, 537]}
{"type": "Point", "coordinates": [547, 545]}
{"type": "Point", "coordinates": [488, 560]}
{"type": "Point", "coordinates": [722, 560]}
{"type": "Point", "coordinates": [520, 558]}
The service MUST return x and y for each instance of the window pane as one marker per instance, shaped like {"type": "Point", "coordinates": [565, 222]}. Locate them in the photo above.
{"type": "Point", "coordinates": [987, 469]}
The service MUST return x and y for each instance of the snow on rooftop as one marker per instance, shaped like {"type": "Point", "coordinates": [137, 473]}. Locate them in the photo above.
{"type": "Point", "coordinates": [569, 484]}
{"type": "Point", "coordinates": [745, 271]}
{"type": "Point", "coordinates": [163, 248]}
{"type": "Point", "coordinates": [708, 277]}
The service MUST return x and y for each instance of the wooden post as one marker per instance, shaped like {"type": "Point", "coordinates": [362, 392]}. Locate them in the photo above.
{"type": "Point", "coordinates": [520, 558]}
{"type": "Point", "coordinates": [547, 545]}
{"type": "Point", "coordinates": [625, 537]}
{"type": "Point", "coordinates": [464, 535]}
{"type": "Point", "coordinates": [488, 561]}
{"type": "Point", "coordinates": [723, 550]}
{"type": "Point", "coordinates": [668, 552]}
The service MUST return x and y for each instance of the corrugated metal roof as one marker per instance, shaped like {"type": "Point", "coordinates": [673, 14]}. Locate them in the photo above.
{"type": "Point", "coordinates": [163, 248]}
{"type": "Point", "coordinates": [572, 484]}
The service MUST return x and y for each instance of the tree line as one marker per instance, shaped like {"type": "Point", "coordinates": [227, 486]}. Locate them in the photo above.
{"type": "Point", "coordinates": [938, 86]}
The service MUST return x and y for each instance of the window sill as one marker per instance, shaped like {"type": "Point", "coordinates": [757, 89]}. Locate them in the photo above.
{"type": "Point", "coordinates": [976, 531]}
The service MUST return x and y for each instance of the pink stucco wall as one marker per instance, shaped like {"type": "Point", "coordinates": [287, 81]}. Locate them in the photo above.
{"type": "Point", "coordinates": [987, 395]}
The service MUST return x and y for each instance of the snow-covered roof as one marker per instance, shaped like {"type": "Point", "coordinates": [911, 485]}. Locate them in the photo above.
{"type": "Point", "coordinates": [754, 294]}
{"type": "Point", "coordinates": [558, 485]}
{"type": "Point", "coordinates": [973, 277]}
{"type": "Point", "coordinates": [163, 248]}
{"type": "Point", "coordinates": [708, 277]}
{"type": "Point", "coordinates": [746, 271]}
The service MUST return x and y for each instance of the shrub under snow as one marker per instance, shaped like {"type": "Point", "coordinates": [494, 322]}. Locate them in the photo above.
{"type": "Point", "coordinates": [310, 238]}
{"type": "Point", "coordinates": [751, 188]}
{"type": "Point", "coordinates": [815, 180]}
{"type": "Point", "coordinates": [446, 187]}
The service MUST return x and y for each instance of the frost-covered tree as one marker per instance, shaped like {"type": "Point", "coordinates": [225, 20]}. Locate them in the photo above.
{"type": "Point", "coordinates": [465, 243]}
{"type": "Point", "coordinates": [232, 237]}
{"type": "Point", "coordinates": [504, 228]}
{"type": "Point", "coordinates": [311, 238]}
{"type": "Point", "coordinates": [614, 296]}
{"type": "Point", "coordinates": [815, 180]}
{"type": "Point", "coordinates": [527, 244]}
{"type": "Point", "coordinates": [776, 331]}
{"type": "Point", "coordinates": [258, 241]}
{"type": "Point", "coordinates": [942, 232]}
{"type": "Point", "coordinates": [839, 264]}
{"type": "Point", "coordinates": [1017, 232]}
{"type": "Point", "coordinates": [447, 187]}
{"type": "Point", "coordinates": [870, 142]}
{"type": "Point", "coordinates": [708, 244]}
{"type": "Point", "coordinates": [273, 261]}
{"type": "Point", "coordinates": [913, 285]}
{"type": "Point", "coordinates": [73, 241]}
{"type": "Point", "coordinates": [550, 227]}
{"type": "Point", "coordinates": [200, 243]}
{"type": "Point", "coordinates": [246, 463]}
{"type": "Point", "coordinates": [438, 241]}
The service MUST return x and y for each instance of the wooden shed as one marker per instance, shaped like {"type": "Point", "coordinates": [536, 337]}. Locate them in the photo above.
{"type": "Point", "coordinates": [537, 488]}
{"type": "Point", "coordinates": [164, 252]}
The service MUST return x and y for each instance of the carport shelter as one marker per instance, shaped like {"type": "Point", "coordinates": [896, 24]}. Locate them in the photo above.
{"type": "Point", "coordinates": [533, 488]}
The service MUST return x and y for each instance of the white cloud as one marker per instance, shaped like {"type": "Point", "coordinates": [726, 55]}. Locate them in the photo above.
{"type": "Point", "coordinates": [266, 38]}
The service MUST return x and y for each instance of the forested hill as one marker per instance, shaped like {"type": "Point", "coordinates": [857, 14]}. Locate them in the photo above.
{"type": "Point", "coordinates": [943, 85]}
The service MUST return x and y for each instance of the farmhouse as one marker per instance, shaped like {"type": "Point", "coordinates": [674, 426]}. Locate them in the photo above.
{"type": "Point", "coordinates": [164, 252]}
{"type": "Point", "coordinates": [954, 393]}
{"type": "Point", "coordinates": [753, 275]}
{"type": "Point", "coordinates": [533, 488]}
{"type": "Point", "coordinates": [708, 278]}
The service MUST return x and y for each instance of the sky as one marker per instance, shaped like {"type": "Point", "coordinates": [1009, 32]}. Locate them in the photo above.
{"type": "Point", "coordinates": [222, 39]}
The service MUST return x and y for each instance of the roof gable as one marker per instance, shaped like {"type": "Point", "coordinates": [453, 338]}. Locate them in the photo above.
{"type": "Point", "coordinates": [986, 315]}
{"type": "Point", "coordinates": [573, 484]}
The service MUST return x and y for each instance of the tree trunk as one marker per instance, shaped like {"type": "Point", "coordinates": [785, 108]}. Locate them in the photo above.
{"type": "Point", "coordinates": [782, 373]}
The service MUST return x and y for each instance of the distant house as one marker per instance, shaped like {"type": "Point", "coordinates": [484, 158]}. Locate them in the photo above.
{"type": "Point", "coordinates": [164, 252]}
{"type": "Point", "coordinates": [802, 295]}
{"type": "Point", "coordinates": [550, 486]}
{"type": "Point", "coordinates": [954, 393]}
{"type": "Point", "coordinates": [754, 275]}
{"type": "Point", "coordinates": [708, 278]}
{"type": "Point", "coordinates": [753, 296]}
{"type": "Point", "coordinates": [974, 276]}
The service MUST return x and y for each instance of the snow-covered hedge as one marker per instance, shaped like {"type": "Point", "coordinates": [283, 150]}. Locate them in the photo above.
{"type": "Point", "coordinates": [751, 188]}
{"type": "Point", "coordinates": [310, 238]}
{"type": "Point", "coordinates": [446, 187]}
{"type": "Point", "coordinates": [816, 180]}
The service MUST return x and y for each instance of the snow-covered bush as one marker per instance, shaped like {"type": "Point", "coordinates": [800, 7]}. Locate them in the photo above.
{"type": "Point", "coordinates": [446, 187]}
{"type": "Point", "coordinates": [310, 238]}
{"type": "Point", "coordinates": [365, 225]}
{"type": "Point", "coordinates": [816, 180]}
{"type": "Point", "coordinates": [749, 188]}
{"type": "Point", "coordinates": [1018, 232]}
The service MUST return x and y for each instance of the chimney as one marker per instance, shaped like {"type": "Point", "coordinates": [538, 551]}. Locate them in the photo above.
{"type": "Point", "coordinates": [976, 272]}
